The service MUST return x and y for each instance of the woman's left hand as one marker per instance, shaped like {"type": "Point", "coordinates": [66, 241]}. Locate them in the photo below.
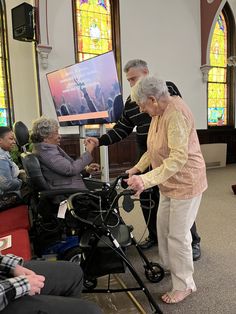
{"type": "Point", "coordinates": [93, 167]}
{"type": "Point", "coordinates": [136, 184]}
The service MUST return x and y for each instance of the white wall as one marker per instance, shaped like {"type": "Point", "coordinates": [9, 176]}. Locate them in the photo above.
{"type": "Point", "coordinates": [167, 36]}
{"type": "Point", "coordinates": [232, 4]}
{"type": "Point", "coordinates": [60, 33]}
{"type": "Point", "coordinates": [164, 33]}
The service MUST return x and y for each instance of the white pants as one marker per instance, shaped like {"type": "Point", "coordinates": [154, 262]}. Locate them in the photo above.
{"type": "Point", "coordinates": [174, 221]}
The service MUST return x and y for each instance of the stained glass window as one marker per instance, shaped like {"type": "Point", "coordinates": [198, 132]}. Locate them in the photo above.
{"type": "Point", "coordinates": [217, 77]}
{"type": "Point", "coordinates": [4, 99]}
{"type": "Point", "coordinates": [94, 31]}
{"type": "Point", "coordinates": [97, 31]}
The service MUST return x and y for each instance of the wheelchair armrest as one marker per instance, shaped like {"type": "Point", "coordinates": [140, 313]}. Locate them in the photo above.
{"type": "Point", "coordinates": [9, 193]}
{"type": "Point", "coordinates": [93, 180]}
{"type": "Point", "coordinates": [10, 199]}
{"type": "Point", "coordinates": [56, 192]}
{"type": "Point", "coordinates": [94, 184]}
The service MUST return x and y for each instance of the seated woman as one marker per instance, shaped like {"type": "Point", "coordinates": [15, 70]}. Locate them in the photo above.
{"type": "Point", "coordinates": [12, 179]}
{"type": "Point", "coordinates": [9, 171]}
{"type": "Point", "coordinates": [59, 169]}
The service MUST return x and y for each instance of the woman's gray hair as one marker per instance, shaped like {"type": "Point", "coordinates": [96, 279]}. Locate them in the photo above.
{"type": "Point", "coordinates": [42, 128]}
{"type": "Point", "coordinates": [148, 86]}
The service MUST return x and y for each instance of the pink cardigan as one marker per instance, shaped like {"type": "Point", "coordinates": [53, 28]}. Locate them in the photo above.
{"type": "Point", "coordinates": [174, 154]}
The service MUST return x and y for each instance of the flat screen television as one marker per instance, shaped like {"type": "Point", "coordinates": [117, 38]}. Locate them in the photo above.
{"type": "Point", "coordinates": [87, 92]}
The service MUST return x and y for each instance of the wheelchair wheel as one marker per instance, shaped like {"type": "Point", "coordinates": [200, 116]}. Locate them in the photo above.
{"type": "Point", "coordinates": [90, 284]}
{"type": "Point", "coordinates": [73, 255]}
{"type": "Point", "coordinates": [155, 273]}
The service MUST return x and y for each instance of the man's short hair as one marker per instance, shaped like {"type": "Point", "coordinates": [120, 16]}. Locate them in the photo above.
{"type": "Point", "coordinates": [135, 63]}
{"type": "Point", "coordinates": [4, 130]}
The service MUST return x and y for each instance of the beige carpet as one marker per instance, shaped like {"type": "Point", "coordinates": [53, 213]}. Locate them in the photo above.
{"type": "Point", "coordinates": [215, 272]}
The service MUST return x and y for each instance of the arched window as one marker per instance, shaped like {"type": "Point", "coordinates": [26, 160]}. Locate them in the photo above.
{"type": "Point", "coordinates": [97, 31]}
{"type": "Point", "coordinates": [220, 87]}
{"type": "Point", "coordinates": [6, 114]}
{"type": "Point", "coordinates": [96, 28]}
{"type": "Point", "coordinates": [93, 28]}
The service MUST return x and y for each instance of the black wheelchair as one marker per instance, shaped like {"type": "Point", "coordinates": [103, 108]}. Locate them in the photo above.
{"type": "Point", "coordinates": [50, 236]}
{"type": "Point", "coordinates": [93, 232]}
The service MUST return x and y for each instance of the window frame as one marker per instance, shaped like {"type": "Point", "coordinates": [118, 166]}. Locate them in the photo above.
{"type": "Point", "coordinates": [230, 71]}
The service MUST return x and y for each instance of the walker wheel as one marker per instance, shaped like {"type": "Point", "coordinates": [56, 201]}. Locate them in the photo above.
{"type": "Point", "coordinates": [155, 273]}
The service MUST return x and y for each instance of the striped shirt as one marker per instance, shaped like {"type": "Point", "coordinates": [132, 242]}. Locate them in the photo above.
{"type": "Point", "coordinates": [131, 117]}
{"type": "Point", "coordinates": [11, 288]}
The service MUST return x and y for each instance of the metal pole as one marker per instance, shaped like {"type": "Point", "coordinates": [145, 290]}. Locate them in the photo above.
{"type": "Point", "coordinates": [81, 141]}
{"type": "Point", "coordinates": [104, 160]}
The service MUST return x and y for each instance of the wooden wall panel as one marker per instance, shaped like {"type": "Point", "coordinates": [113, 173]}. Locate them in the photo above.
{"type": "Point", "coordinates": [220, 135]}
{"type": "Point", "coordinates": [123, 155]}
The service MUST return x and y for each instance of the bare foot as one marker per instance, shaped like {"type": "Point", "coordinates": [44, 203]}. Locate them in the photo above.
{"type": "Point", "coordinates": [175, 296]}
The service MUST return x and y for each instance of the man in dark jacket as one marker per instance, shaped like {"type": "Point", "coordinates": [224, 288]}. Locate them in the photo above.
{"type": "Point", "coordinates": [132, 118]}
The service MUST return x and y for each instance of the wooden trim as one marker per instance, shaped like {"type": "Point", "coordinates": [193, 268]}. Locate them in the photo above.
{"type": "Point", "coordinates": [123, 155]}
{"type": "Point", "coordinates": [220, 135]}
{"type": "Point", "coordinates": [230, 22]}
{"type": "Point", "coordinates": [73, 5]}
{"type": "Point", "coordinates": [230, 71]}
{"type": "Point", "coordinates": [115, 18]}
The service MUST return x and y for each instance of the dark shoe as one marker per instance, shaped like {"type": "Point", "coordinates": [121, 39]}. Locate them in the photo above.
{"type": "Point", "coordinates": [234, 188]}
{"type": "Point", "coordinates": [147, 244]}
{"type": "Point", "coordinates": [196, 251]}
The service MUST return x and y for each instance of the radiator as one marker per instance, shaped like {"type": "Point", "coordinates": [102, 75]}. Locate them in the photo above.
{"type": "Point", "coordinates": [214, 155]}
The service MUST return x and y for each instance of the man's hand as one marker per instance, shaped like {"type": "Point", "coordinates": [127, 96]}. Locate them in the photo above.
{"type": "Point", "coordinates": [36, 283]}
{"type": "Point", "coordinates": [136, 183]}
{"type": "Point", "coordinates": [93, 140]}
{"type": "Point", "coordinates": [132, 171]}
{"type": "Point", "coordinates": [90, 145]}
{"type": "Point", "coordinates": [20, 270]}
{"type": "Point", "coordinates": [93, 167]}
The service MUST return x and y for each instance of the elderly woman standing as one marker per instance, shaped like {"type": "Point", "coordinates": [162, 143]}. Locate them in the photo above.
{"type": "Point", "coordinates": [59, 170]}
{"type": "Point", "coordinates": [174, 153]}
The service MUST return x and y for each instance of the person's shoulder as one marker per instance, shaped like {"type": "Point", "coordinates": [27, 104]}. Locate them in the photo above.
{"type": "Point", "coordinates": [3, 158]}
{"type": "Point", "coordinates": [3, 154]}
{"type": "Point", "coordinates": [173, 89]}
{"type": "Point", "coordinates": [44, 148]}
{"type": "Point", "coordinates": [130, 104]}
{"type": "Point", "coordinates": [179, 106]}
{"type": "Point", "coordinates": [170, 84]}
